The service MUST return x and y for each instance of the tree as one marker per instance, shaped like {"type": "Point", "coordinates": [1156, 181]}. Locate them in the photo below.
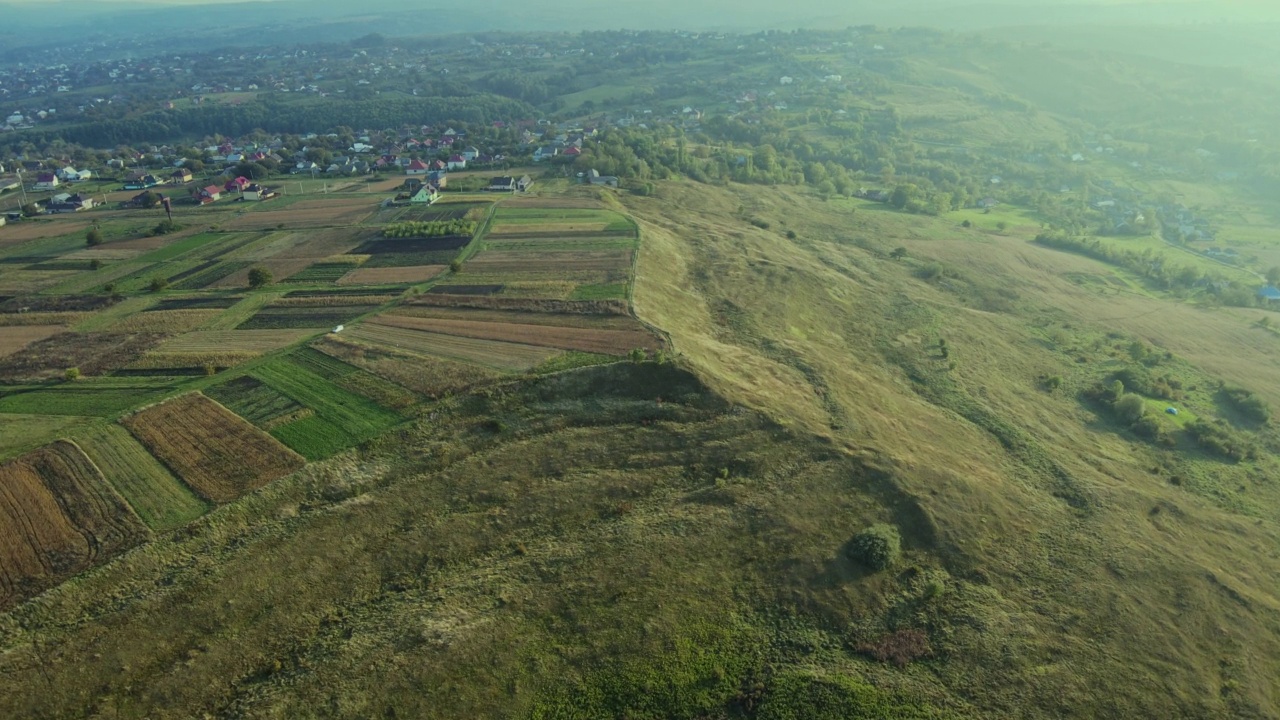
{"type": "Point", "coordinates": [898, 253]}
{"type": "Point", "coordinates": [455, 267]}
{"type": "Point", "coordinates": [95, 264]}
{"type": "Point", "coordinates": [157, 284]}
{"type": "Point", "coordinates": [72, 374]}
{"type": "Point", "coordinates": [93, 237]}
{"type": "Point", "coordinates": [877, 547]}
{"type": "Point", "coordinates": [1273, 276]}
{"type": "Point", "coordinates": [1131, 408]}
{"type": "Point", "coordinates": [259, 277]}
{"type": "Point", "coordinates": [30, 210]}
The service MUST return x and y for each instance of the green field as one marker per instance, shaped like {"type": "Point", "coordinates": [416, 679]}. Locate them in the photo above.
{"type": "Point", "coordinates": [20, 433]}
{"type": "Point", "coordinates": [161, 500]}
{"type": "Point", "coordinates": [73, 399]}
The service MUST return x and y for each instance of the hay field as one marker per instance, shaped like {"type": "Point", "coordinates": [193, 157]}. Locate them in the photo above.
{"type": "Point", "coordinates": [518, 262]}
{"type": "Point", "coordinates": [14, 338]}
{"type": "Point", "coordinates": [160, 499]}
{"type": "Point", "coordinates": [306, 214]}
{"type": "Point", "coordinates": [231, 341]}
{"type": "Point", "coordinates": [488, 353]}
{"type": "Point", "coordinates": [218, 454]}
{"type": "Point", "coordinates": [595, 340]}
{"type": "Point", "coordinates": [391, 275]}
{"type": "Point", "coordinates": [58, 516]}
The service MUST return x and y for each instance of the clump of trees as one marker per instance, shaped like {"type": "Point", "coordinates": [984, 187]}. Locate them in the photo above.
{"type": "Point", "coordinates": [1147, 263]}
{"type": "Point", "coordinates": [94, 237]}
{"type": "Point", "coordinates": [1246, 403]}
{"type": "Point", "coordinates": [431, 228]}
{"type": "Point", "coordinates": [259, 277]}
{"type": "Point", "coordinates": [878, 547]}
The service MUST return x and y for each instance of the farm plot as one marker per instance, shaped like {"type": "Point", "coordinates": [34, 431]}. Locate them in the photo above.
{"type": "Point", "coordinates": [168, 322]}
{"type": "Point", "coordinates": [325, 272]}
{"type": "Point", "coordinates": [306, 214]}
{"type": "Point", "coordinates": [195, 302]}
{"type": "Point", "coordinates": [208, 275]}
{"type": "Point", "coordinates": [27, 230]}
{"type": "Point", "coordinates": [86, 281]}
{"type": "Point", "coordinates": [203, 342]}
{"type": "Point", "coordinates": [349, 377]}
{"type": "Point", "coordinates": [21, 433]}
{"type": "Point", "coordinates": [391, 275]}
{"type": "Point", "coordinates": [14, 338]}
{"type": "Point", "coordinates": [444, 211]}
{"type": "Point", "coordinates": [489, 353]}
{"type": "Point", "coordinates": [256, 401]}
{"type": "Point", "coordinates": [342, 418]}
{"type": "Point", "coordinates": [28, 281]}
{"type": "Point", "coordinates": [566, 228]}
{"type": "Point", "coordinates": [522, 305]}
{"type": "Point", "coordinates": [93, 397]}
{"type": "Point", "coordinates": [478, 290]}
{"type": "Point", "coordinates": [593, 340]}
{"type": "Point", "coordinates": [92, 353]}
{"type": "Point", "coordinates": [532, 314]}
{"type": "Point", "coordinates": [160, 499]}
{"type": "Point", "coordinates": [282, 317]}
{"type": "Point", "coordinates": [404, 252]}
{"type": "Point", "coordinates": [216, 453]}
{"type": "Point", "coordinates": [561, 262]}
{"type": "Point", "coordinates": [58, 516]}
{"type": "Point", "coordinates": [431, 377]}
{"type": "Point", "coordinates": [323, 244]}
{"type": "Point", "coordinates": [279, 268]}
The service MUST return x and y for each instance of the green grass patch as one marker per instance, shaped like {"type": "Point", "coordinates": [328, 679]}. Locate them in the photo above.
{"type": "Point", "coordinates": [160, 499]}
{"type": "Point", "coordinates": [571, 360]}
{"type": "Point", "coordinates": [179, 247]}
{"type": "Point", "coordinates": [75, 399]}
{"type": "Point", "coordinates": [314, 437]}
{"type": "Point", "coordinates": [253, 400]}
{"type": "Point", "coordinates": [21, 432]}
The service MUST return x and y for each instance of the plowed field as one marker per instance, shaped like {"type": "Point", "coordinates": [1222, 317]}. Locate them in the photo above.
{"type": "Point", "coordinates": [609, 342]}
{"type": "Point", "coordinates": [58, 516]}
{"type": "Point", "coordinates": [13, 339]}
{"type": "Point", "coordinates": [218, 454]}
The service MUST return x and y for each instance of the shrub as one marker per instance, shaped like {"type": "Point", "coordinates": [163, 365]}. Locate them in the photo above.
{"type": "Point", "coordinates": [259, 277]}
{"type": "Point", "coordinates": [455, 267]}
{"type": "Point", "coordinates": [1218, 439]}
{"type": "Point", "coordinates": [877, 547]}
{"type": "Point", "coordinates": [899, 647]}
{"type": "Point", "coordinates": [1247, 404]}
{"type": "Point", "coordinates": [157, 284]}
{"type": "Point", "coordinates": [93, 237]}
{"type": "Point", "coordinates": [165, 227]}
{"type": "Point", "coordinates": [1130, 408]}
{"type": "Point", "coordinates": [72, 374]}
{"type": "Point", "coordinates": [95, 264]}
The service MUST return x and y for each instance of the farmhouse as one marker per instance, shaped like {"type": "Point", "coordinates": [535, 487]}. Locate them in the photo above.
{"type": "Point", "coordinates": [142, 183]}
{"type": "Point", "coordinates": [457, 162]}
{"type": "Point", "coordinates": [426, 195]}
{"type": "Point", "coordinates": [180, 176]}
{"type": "Point", "coordinates": [208, 195]}
{"type": "Point", "coordinates": [509, 184]}
{"type": "Point", "coordinates": [71, 203]}
{"type": "Point", "coordinates": [238, 184]}
{"type": "Point", "coordinates": [417, 167]}
{"type": "Point", "coordinates": [46, 181]}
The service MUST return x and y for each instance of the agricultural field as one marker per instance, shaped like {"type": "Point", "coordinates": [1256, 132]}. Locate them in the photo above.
{"type": "Point", "coordinates": [89, 397]}
{"type": "Point", "coordinates": [405, 275]}
{"type": "Point", "coordinates": [159, 499]}
{"type": "Point", "coordinates": [510, 357]}
{"type": "Point", "coordinates": [593, 340]}
{"type": "Point", "coordinates": [93, 353]}
{"type": "Point", "coordinates": [430, 377]}
{"type": "Point", "coordinates": [219, 455]}
{"type": "Point", "coordinates": [409, 252]}
{"type": "Point", "coordinates": [20, 432]}
{"type": "Point", "coordinates": [341, 210]}
{"type": "Point", "coordinates": [14, 338]}
{"type": "Point", "coordinates": [58, 516]}
{"type": "Point", "coordinates": [289, 316]}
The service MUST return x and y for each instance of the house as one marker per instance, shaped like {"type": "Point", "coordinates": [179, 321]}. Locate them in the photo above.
{"type": "Point", "coordinates": [143, 199]}
{"type": "Point", "coordinates": [67, 174]}
{"type": "Point", "coordinates": [211, 194]}
{"type": "Point", "coordinates": [545, 153]}
{"type": "Point", "coordinates": [595, 178]}
{"type": "Point", "coordinates": [46, 181]}
{"type": "Point", "coordinates": [437, 165]}
{"type": "Point", "coordinates": [439, 178]}
{"type": "Point", "coordinates": [237, 185]}
{"type": "Point", "coordinates": [70, 204]}
{"type": "Point", "coordinates": [305, 167]}
{"type": "Point", "coordinates": [572, 151]}
{"type": "Point", "coordinates": [426, 194]}
{"type": "Point", "coordinates": [509, 184]}
{"type": "Point", "coordinates": [470, 153]}
{"type": "Point", "coordinates": [142, 183]}
{"type": "Point", "coordinates": [257, 192]}
{"type": "Point", "coordinates": [180, 176]}
{"type": "Point", "coordinates": [457, 162]}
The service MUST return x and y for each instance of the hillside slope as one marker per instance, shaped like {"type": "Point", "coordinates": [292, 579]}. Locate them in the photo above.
{"type": "Point", "coordinates": [657, 540]}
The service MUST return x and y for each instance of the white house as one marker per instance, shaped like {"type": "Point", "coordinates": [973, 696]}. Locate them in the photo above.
{"type": "Point", "coordinates": [417, 167]}
{"type": "Point", "coordinates": [46, 181]}
{"type": "Point", "coordinates": [471, 153]}
{"type": "Point", "coordinates": [785, 80]}
{"type": "Point", "coordinates": [14, 119]}
{"type": "Point", "coordinates": [457, 162]}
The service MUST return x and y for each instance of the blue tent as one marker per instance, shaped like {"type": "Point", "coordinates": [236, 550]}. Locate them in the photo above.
{"type": "Point", "coordinates": [1269, 293]}
{"type": "Point", "coordinates": [1171, 410]}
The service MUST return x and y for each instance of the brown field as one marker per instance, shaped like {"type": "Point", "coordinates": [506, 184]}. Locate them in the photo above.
{"type": "Point", "coordinates": [388, 275]}
{"type": "Point", "coordinates": [309, 213]}
{"type": "Point", "coordinates": [106, 254]}
{"type": "Point", "coordinates": [94, 353]}
{"type": "Point", "coordinates": [58, 517]}
{"type": "Point", "coordinates": [14, 338]}
{"type": "Point", "coordinates": [490, 302]}
{"type": "Point", "coordinates": [279, 268]}
{"type": "Point", "coordinates": [41, 318]}
{"type": "Point", "coordinates": [146, 244]}
{"type": "Point", "coordinates": [232, 341]}
{"type": "Point", "coordinates": [332, 300]}
{"type": "Point", "coordinates": [29, 281]}
{"type": "Point", "coordinates": [169, 322]}
{"type": "Point", "coordinates": [521, 317]}
{"type": "Point", "coordinates": [499, 355]}
{"type": "Point", "coordinates": [515, 228]}
{"type": "Point", "coordinates": [431, 377]}
{"type": "Point", "coordinates": [14, 233]}
{"type": "Point", "coordinates": [497, 261]}
{"type": "Point", "coordinates": [212, 449]}
{"type": "Point", "coordinates": [163, 360]}
{"type": "Point", "coordinates": [326, 243]}
{"type": "Point", "coordinates": [554, 203]}
{"type": "Point", "coordinates": [596, 340]}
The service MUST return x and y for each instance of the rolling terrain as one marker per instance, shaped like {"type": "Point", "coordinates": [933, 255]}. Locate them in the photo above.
{"type": "Point", "coordinates": [514, 536]}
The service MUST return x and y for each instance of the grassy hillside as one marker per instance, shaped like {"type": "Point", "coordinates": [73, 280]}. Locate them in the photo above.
{"type": "Point", "coordinates": [657, 541]}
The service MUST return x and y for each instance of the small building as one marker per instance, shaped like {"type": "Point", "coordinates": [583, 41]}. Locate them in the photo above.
{"type": "Point", "coordinates": [425, 195]}
{"type": "Point", "coordinates": [181, 176]}
{"type": "Point", "coordinates": [238, 184]}
{"type": "Point", "coordinates": [1269, 294]}
{"type": "Point", "coordinates": [211, 194]}
{"type": "Point", "coordinates": [71, 204]}
{"type": "Point", "coordinates": [545, 153]}
{"type": "Point", "coordinates": [470, 153]}
{"type": "Point", "coordinates": [417, 167]}
{"type": "Point", "coordinates": [509, 184]}
{"type": "Point", "coordinates": [142, 183]}
{"type": "Point", "coordinates": [256, 192]}
{"type": "Point", "coordinates": [595, 178]}
{"type": "Point", "coordinates": [46, 181]}
{"type": "Point", "coordinates": [457, 162]}
{"type": "Point", "coordinates": [439, 178]}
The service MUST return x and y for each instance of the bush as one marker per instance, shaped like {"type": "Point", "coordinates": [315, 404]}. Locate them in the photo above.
{"type": "Point", "coordinates": [899, 647]}
{"type": "Point", "coordinates": [72, 374]}
{"type": "Point", "coordinates": [259, 277]}
{"type": "Point", "coordinates": [157, 284]}
{"type": "Point", "coordinates": [1247, 404]}
{"type": "Point", "coordinates": [1218, 439]}
{"type": "Point", "coordinates": [877, 547]}
{"type": "Point", "coordinates": [1130, 408]}
{"type": "Point", "coordinates": [93, 237]}
{"type": "Point", "coordinates": [165, 227]}
{"type": "Point", "coordinates": [455, 267]}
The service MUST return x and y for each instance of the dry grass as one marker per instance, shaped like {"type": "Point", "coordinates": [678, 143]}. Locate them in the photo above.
{"type": "Point", "coordinates": [232, 341]}
{"type": "Point", "coordinates": [14, 338]}
{"type": "Point", "coordinates": [431, 377]}
{"type": "Point", "coordinates": [174, 360]}
{"type": "Point", "coordinates": [391, 275]}
{"type": "Point", "coordinates": [487, 353]}
{"type": "Point", "coordinates": [215, 452]}
{"type": "Point", "coordinates": [595, 340]}
{"type": "Point", "coordinates": [19, 232]}
{"type": "Point", "coordinates": [168, 322]}
{"type": "Point", "coordinates": [41, 318]}
{"type": "Point", "coordinates": [30, 281]}
{"type": "Point", "coordinates": [93, 353]}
